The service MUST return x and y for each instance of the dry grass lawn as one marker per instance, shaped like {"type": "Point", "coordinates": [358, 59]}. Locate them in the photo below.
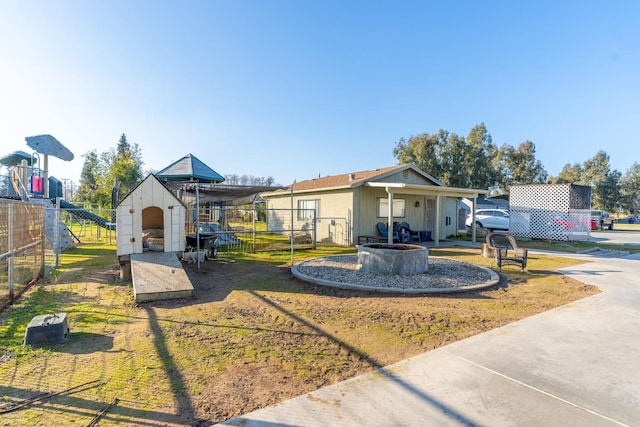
{"type": "Point", "coordinates": [252, 336]}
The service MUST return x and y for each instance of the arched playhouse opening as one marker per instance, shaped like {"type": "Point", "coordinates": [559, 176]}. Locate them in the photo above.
{"type": "Point", "coordinates": [153, 229]}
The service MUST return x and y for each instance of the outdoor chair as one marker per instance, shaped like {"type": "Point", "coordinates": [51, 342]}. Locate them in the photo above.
{"type": "Point", "coordinates": [403, 235]}
{"type": "Point", "coordinates": [413, 236]}
{"type": "Point", "coordinates": [382, 230]}
{"type": "Point", "coordinates": [507, 251]}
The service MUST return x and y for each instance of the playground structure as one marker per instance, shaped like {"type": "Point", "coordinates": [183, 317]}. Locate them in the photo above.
{"type": "Point", "coordinates": [25, 180]}
{"type": "Point", "coordinates": [183, 207]}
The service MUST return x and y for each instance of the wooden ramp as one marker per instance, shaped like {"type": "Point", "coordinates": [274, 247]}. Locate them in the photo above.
{"type": "Point", "coordinates": [159, 275]}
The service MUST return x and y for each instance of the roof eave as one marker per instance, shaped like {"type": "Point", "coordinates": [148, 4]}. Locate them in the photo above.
{"type": "Point", "coordinates": [428, 189]}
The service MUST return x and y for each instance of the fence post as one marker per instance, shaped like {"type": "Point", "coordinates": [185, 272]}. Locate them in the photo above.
{"type": "Point", "coordinates": [253, 220]}
{"type": "Point", "coordinates": [56, 233]}
{"type": "Point", "coordinates": [292, 239]}
{"type": "Point", "coordinates": [41, 216]}
{"type": "Point", "coordinates": [11, 245]}
{"type": "Point", "coordinates": [315, 228]}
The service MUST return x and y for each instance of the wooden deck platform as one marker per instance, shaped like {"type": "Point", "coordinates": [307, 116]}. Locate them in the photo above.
{"type": "Point", "coordinates": [159, 275]}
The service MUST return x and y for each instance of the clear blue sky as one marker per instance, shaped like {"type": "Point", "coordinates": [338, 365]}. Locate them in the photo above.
{"type": "Point", "coordinates": [297, 89]}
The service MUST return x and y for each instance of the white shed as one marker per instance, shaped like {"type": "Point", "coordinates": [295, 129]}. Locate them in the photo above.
{"type": "Point", "coordinates": [150, 211]}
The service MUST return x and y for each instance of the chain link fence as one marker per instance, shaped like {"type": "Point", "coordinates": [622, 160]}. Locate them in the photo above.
{"type": "Point", "coordinates": [257, 229]}
{"type": "Point", "coordinates": [22, 246]}
{"type": "Point", "coordinates": [34, 236]}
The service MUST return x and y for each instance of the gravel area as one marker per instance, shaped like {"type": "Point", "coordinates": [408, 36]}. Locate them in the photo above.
{"type": "Point", "coordinates": [444, 274]}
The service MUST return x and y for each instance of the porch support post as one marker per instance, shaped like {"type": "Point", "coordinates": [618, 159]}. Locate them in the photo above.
{"type": "Point", "coordinates": [473, 218]}
{"type": "Point", "coordinates": [436, 237]}
{"type": "Point", "coordinates": [390, 217]}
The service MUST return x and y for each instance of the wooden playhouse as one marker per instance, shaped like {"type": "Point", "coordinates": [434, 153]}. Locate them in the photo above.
{"type": "Point", "coordinates": [149, 219]}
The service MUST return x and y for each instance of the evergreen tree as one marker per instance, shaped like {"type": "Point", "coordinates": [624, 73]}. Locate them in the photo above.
{"type": "Point", "coordinates": [119, 168]}
{"type": "Point", "coordinates": [570, 174]}
{"type": "Point", "coordinates": [605, 190]}
{"type": "Point", "coordinates": [519, 166]}
{"type": "Point", "coordinates": [474, 162]}
{"type": "Point", "coordinates": [630, 189]}
{"type": "Point", "coordinates": [90, 178]}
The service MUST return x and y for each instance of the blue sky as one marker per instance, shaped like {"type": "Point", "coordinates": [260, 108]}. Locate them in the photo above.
{"type": "Point", "coordinates": [297, 89]}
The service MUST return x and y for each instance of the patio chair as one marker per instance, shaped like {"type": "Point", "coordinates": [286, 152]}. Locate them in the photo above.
{"type": "Point", "coordinates": [403, 234]}
{"type": "Point", "coordinates": [507, 251]}
{"type": "Point", "coordinates": [382, 230]}
{"type": "Point", "coordinates": [413, 236]}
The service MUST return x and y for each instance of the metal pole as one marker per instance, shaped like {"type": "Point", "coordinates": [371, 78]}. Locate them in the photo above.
{"type": "Point", "coordinates": [42, 217]}
{"type": "Point", "coordinates": [315, 228]}
{"type": "Point", "coordinates": [349, 231]}
{"type": "Point", "coordinates": [294, 183]}
{"type": "Point", "coordinates": [198, 223]}
{"type": "Point", "coordinates": [11, 243]}
{"type": "Point", "coordinates": [45, 183]}
{"type": "Point", "coordinates": [255, 212]}
{"type": "Point", "coordinates": [56, 231]}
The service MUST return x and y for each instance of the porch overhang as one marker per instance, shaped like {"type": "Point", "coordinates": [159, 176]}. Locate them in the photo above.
{"type": "Point", "coordinates": [428, 190]}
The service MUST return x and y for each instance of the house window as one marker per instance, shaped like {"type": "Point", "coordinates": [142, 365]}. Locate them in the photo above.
{"type": "Point", "coordinates": [398, 208]}
{"type": "Point", "coordinates": [307, 209]}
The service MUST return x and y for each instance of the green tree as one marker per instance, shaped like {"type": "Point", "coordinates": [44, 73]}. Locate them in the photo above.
{"type": "Point", "coordinates": [474, 162]}
{"type": "Point", "coordinates": [479, 153]}
{"type": "Point", "coordinates": [124, 168]}
{"type": "Point", "coordinates": [518, 166]}
{"type": "Point", "coordinates": [605, 190]}
{"type": "Point", "coordinates": [451, 151]}
{"type": "Point", "coordinates": [630, 189]}
{"type": "Point", "coordinates": [608, 191]}
{"type": "Point", "coordinates": [595, 169]}
{"type": "Point", "coordinates": [90, 178]}
{"type": "Point", "coordinates": [570, 174]}
{"type": "Point", "coordinates": [449, 158]}
{"type": "Point", "coordinates": [119, 168]}
{"type": "Point", "coordinates": [421, 150]}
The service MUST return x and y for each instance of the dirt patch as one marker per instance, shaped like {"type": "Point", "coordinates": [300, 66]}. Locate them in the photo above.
{"type": "Point", "coordinates": [252, 336]}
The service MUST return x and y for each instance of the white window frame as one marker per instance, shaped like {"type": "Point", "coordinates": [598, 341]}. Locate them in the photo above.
{"type": "Point", "coordinates": [305, 207]}
{"type": "Point", "coordinates": [399, 207]}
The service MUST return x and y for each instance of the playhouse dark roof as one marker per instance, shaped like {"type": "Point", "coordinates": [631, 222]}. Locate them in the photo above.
{"type": "Point", "coordinates": [16, 157]}
{"type": "Point", "coordinates": [189, 168]}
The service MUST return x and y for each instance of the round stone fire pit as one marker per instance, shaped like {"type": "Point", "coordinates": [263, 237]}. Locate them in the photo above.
{"type": "Point", "coordinates": [393, 258]}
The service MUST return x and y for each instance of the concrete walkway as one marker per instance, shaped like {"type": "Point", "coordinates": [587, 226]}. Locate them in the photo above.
{"type": "Point", "coordinates": [577, 365]}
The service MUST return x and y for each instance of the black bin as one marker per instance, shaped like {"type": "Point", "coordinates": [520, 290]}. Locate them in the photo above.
{"type": "Point", "coordinates": [47, 329]}
{"type": "Point", "coordinates": [425, 236]}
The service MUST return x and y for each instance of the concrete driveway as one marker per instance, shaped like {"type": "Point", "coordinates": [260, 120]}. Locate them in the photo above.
{"type": "Point", "coordinates": [576, 365]}
{"type": "Point", "coordinates": [620, 237]}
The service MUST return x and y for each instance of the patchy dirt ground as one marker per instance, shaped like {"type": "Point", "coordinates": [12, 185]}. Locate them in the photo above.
{"type": "Point", "coordinates": [252, 336]}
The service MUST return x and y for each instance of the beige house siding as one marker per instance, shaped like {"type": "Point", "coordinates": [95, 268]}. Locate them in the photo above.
{"type": "Point", "coordinates": [334, 215]}
{"type": "Point", "coordinates": [449, 216]}
{"type": "Point", "coordinates": [407, 176]}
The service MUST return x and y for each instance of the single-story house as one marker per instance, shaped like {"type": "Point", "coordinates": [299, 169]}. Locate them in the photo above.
{"type": "Point", "coordinates": [348, 207]}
